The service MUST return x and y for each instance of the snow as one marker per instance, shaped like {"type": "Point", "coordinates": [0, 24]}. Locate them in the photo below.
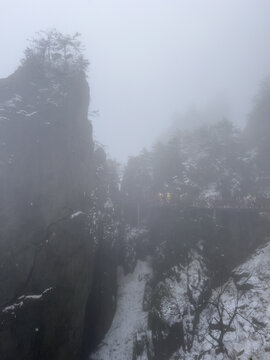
{"type": "Point", "coordinates": [33, 297]}
{"type": "Point", "coordinates": [77, 213]}
{"type": "Point", "coordinates": [47, 290]}
{"type": "Point", "coordinates": [135, 232]}
{"type": "Point", "coordinates": [245, 296]}
{"type": "Point", "coordinates": [31, 114]}
{"type": "Point", "coordinates": [108, 204]}
{"type": "Point", "coordinates": [210, 194]}
{"type": "Point", "coordinates": [129, 316]}
{"type": "Point", "coordinates": [17, 98]}
{"type": "Point", "coordinates": [184, 286]}
{"type": "Point", "coordinates": [12, 103]}
{"type": "Point", "coordinates": [25, 298]}
{"type": "Point", "coordinates": [247, 293]}
{"type": "Point", "coordinates": [52, 102]}
{"type": "Point", "coordinates": [13, 307]}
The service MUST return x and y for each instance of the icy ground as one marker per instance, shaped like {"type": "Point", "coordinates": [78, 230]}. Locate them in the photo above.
{"type": "Point", "coordinates": [129, 316]}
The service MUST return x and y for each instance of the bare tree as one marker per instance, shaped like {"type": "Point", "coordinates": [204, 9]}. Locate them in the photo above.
{"type": "Point", "coordinates": [221, 319]}
{"type": "Point", "coordinates": [222, 322]}
{"type": "Point", "coordinates": [197, 294]}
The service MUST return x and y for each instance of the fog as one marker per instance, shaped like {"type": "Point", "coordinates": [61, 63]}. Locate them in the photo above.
{"type": "Point", "coordinates": [136, 227]}
{"type": "Point", "coordinates": [152, 60]}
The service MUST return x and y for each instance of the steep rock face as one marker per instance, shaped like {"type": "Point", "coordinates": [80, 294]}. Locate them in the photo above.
{"type": "Point", "coordinates": [177, 300]}
{"type": "Point", "coordinates": [47, 174]}
{"type": "Point", "coordinates": [228, 236]}
{"type": "Point", "coordinates": [193, 254]}
{"type": "Point", "coordinates": [235, 322]}
{"type": "Point", "coordinates": [195, 250]}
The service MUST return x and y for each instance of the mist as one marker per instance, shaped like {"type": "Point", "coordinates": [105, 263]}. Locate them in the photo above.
{"type": "Point", "coordinates": [151, 61]}
{"type": "Point", "coordinates": [135, 180]}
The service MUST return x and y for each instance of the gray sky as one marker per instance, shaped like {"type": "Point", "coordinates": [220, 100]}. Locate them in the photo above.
{"type": "Point", "coordinates": [151, 60]}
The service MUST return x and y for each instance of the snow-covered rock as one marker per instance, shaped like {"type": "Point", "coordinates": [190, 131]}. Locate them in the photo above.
{"type": "Point", "coordinates": [235, 323]}
{"type": "Point", "coordinates": [177, 302]}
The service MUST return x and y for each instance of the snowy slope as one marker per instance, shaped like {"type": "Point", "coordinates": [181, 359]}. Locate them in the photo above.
{"type": "Point", "coordinates": [234, 324]}
{"type": "Point", "coordinates": [129, 316]}
{"type": "Point", "coordinates": [242, 308]}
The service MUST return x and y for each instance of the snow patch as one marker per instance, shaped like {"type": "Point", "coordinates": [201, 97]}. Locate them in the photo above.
{"type": "Point", "coordinates": [25, 298]}
{"type": "Point", "coordinates": [184, 287]}
{"type": "Point", "coordinates": [247, 296]}
{"type": "Point", "coordinates": [77, 213]}
{"type": "Point", "coordinates": [129, 316]}
{"type": "Point", "coordinates": [31, 114]}
{"type": "Point", "coordinates": [108, 204]}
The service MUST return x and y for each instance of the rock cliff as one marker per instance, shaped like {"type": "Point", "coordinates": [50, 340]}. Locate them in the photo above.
{"type": "Point", "coordinates": [47, 178]}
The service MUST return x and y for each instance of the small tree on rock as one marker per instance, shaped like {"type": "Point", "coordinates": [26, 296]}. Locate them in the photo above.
{"type": "Point", "coordinates": [53, 50]}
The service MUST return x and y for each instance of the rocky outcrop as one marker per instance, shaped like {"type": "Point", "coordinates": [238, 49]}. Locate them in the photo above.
{"type": "Point", "coordinates": [228, 236]}
{"type": "Point", "coordinates": [194, 252]}
{"type": "Point", "coordinates": [194, 258]}
{"type": "Point", "coordinates": [47, 175]}
{"type": "Point", "coordinates": [61, 224]}
{"type": "Point", "coordinates": [235, 322]}
{"type": "Point", "coordinates": [177, 300]}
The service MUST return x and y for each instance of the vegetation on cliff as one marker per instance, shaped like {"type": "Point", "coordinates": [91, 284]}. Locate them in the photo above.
{"type": "Point", "coordinates": [187, 213]}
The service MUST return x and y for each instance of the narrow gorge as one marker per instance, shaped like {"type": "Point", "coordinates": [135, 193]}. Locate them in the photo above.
{"type": "Point", "coordinates": [171, 262]}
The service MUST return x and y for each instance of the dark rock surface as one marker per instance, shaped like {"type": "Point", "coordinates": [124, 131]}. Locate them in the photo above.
{"type": "Point", "coordinates": [47, 174]}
